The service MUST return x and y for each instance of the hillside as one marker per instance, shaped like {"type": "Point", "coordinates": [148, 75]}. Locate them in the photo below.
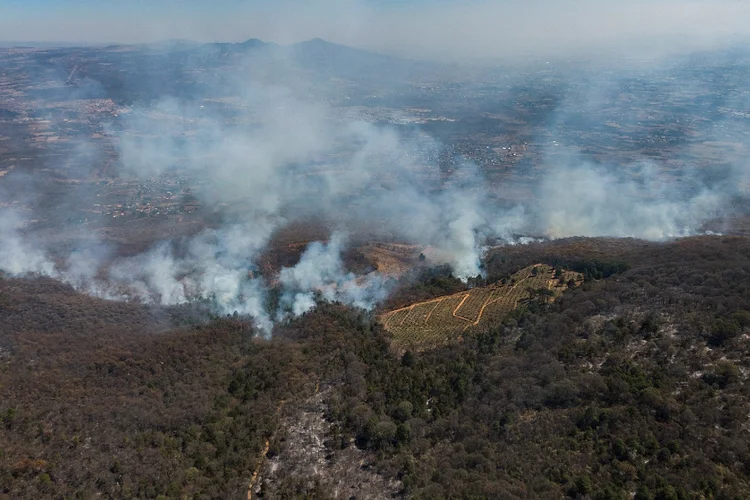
{"type": "Point", "coordinates": [632, 385]}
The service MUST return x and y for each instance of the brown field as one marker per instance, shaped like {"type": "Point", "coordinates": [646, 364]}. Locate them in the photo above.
{"type": "Point", "coordinates": [444, 319]}
{"type": "Point", "coordinates": [391, 259]}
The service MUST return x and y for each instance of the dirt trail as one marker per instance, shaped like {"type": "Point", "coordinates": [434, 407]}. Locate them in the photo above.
{"type": "Point", "coordinates": [262, 461]}
{"type": "Point", "coordinates": [254, 479]}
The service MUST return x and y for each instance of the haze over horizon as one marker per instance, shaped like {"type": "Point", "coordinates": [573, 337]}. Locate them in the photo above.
{"type": "Point", "coordinates": [440, 29]}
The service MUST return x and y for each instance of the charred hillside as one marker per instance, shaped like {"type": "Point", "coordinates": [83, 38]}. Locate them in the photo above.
{"type": "Point", "coordinates": [634, 382]}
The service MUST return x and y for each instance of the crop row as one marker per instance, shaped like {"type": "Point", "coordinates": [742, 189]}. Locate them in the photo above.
{"type": "Point", "coordinates": [442, 320]}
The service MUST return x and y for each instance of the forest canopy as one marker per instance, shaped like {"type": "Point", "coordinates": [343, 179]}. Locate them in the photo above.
{"type": "Point", "coordinates": [633, 385]}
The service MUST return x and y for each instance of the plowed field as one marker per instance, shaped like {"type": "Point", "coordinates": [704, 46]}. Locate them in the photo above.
{"type": "Point", "coordinates": [444, 319]}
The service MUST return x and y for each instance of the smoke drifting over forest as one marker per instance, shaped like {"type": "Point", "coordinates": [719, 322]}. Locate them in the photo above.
{"type": "Point", "coordinates": [286, 157]}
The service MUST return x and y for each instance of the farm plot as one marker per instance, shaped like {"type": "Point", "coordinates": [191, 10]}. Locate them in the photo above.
{"type": "Point", "coordinates": [443, 319]}
{"type": "Point", "coordinates": [472, 308]}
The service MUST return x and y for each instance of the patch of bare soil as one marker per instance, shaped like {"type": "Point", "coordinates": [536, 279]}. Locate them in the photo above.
{"type": "Point", "coordinates": [391, 259]}
{"type": "Point", "coordinates": [304, 464]}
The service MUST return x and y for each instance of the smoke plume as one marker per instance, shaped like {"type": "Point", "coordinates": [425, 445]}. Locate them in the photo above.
{"type": "Point", "coordinates": [279, 155]}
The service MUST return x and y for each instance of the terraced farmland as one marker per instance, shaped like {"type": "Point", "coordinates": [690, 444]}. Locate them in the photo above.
{"type": "Point", "coordinates": [444, 319]}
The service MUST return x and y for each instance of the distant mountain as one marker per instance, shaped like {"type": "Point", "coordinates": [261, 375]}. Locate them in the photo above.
{"type": "Point", "coordinates": [254, 43]}
{"type": "Point", "coordinates": [250, 44]}
{"type": "Point", "coordinates": [326, 59]}
{"type": "Point", "coordinates": [319, 51]}
{"type": "Point", "coordinates": [173, 44]}
{"type": "Point", "coordinates": [148, 71]}
{"type": "Point", "coordinates": [341, 61]}
{"type": "Point", "coordinates": [330, 60]}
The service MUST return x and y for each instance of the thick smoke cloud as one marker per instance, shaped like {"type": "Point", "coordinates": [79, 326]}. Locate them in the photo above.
{"type": "Point", "coordinates": [583, 201]}
{"type": "Point", "coordinates": [700, 169]}
{"type": "Point", "coordinates": [321, 270]}
{"type": "Point", "coordinates": [291, 159]}
{"type": "Point", "coordinates": [214, 266]}
{"type": "Point", "coordinates": [282, 158]}
{"type": "Point", "coordinates": [17, 254]}
{"type": "Point", "coordinates": [285, 156]}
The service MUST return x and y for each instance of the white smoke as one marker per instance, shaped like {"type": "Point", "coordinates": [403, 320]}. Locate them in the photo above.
{"type": "Point", "coordinates": [83, 265]}
{"type": "Point", "coordinates": [295, 160]}
{"type": "Point", "coordinates": [321, 271]}
{"type": "Point", "coordinates": [18, 255]}
{"type": "Point", "coordinates": [282, 157]}
{"type": "Point", "coordinates": [152, 276]}
{"type": "Point", "coordinates": [584, 201]}
{"type": "Point", "coordinates": [215, 266]}
{"type": "Point", "coordinates": [299, 159]}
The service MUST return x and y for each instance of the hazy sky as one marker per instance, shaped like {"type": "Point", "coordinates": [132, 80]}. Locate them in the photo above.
{"type": "Point", "coordinates": [451, 28]}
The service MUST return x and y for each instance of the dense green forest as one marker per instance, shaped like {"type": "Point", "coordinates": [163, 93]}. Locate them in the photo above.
{"type": "Point", "coordinates": [633, 385]}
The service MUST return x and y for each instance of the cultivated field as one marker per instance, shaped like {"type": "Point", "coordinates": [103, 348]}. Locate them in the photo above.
{"type": "Point", "coordinates": [444, 319]}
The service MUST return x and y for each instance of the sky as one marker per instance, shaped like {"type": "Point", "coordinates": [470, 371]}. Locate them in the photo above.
{"type": "Point", "coordinates": [441, 28]}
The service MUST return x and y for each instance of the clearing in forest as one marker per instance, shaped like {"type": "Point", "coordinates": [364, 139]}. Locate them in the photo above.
{"type": "Point", "coordinates": [444, 319]}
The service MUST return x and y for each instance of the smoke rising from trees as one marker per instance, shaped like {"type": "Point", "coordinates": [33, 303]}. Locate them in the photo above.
{"type": "Point", "coordinates": [285, 157]}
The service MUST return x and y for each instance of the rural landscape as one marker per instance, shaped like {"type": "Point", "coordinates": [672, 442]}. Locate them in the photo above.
{"type": "Point", "coordinates": [311, 270]}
